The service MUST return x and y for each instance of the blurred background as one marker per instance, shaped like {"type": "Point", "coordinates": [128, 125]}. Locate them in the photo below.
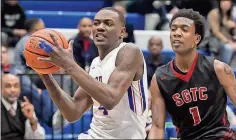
{"type": "Point", "coordinates": [147, 26]}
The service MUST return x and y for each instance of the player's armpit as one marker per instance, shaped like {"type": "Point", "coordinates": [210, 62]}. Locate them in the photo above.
{"type": "Point", "coordinates": [226, 77]}
{"type": "Point", "coordinates": [158, 112]}
{"type": "Point", "coordinates": [129, 67]}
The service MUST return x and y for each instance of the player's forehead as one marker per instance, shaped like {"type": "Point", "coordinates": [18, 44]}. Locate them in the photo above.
{"type": "Point", "coordinates": [182, 21]}
{"type": "Point", "coordinates": [106, 15]}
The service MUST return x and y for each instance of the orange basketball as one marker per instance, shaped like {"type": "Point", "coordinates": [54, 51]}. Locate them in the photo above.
{"type": "Point", "coordinates": [33, 51]}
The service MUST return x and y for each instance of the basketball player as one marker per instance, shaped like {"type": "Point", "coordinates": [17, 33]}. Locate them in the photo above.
{"type": "Point", "coordinates": [116, 85]}
{"type": "Point", "coordinates": [192, 87]}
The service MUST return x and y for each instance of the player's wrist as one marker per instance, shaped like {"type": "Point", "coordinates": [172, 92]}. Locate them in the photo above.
{"type": "Point", "coordinates": [70, 66]}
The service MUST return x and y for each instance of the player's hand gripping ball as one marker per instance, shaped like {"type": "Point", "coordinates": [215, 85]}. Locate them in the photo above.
{"type": "Point", "coordinates": [33, 51]}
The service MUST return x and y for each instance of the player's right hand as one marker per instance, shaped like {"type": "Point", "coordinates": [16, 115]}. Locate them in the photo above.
{"type": "Point", "coordinates": [61, 57]}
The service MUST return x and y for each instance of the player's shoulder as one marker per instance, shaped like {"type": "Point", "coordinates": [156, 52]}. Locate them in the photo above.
{"type": "Point", "coordinates": [219, 66]}
{"type": "Point", "coordinates": [206, 62]}
{"type": "Point", "coordinates": [164, 69]}
{"type": "Point", "coordinates": [95, 61]}
{"type": "Point", "coordinates": [131, 48]}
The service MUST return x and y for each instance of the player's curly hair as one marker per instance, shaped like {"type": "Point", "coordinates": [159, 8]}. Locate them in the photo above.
{"type": "Point", "coordinates": [199, 20]}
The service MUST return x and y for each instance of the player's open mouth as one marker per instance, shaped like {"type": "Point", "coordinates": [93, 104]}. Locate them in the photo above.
{"type": "Point", "coordinates": [99, 35]}
{"type": "Point", "coordinates": [176, 42]}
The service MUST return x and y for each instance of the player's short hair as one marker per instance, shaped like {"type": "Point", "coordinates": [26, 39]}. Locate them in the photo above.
{"type": "Point", "coordinates": [199, 20]}
{"type": "Point", "coordinates": [30, 23]}
{"type": "Point", "coordinates": [121, 16]}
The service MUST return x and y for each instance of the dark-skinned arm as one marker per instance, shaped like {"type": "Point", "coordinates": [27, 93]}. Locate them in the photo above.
{"type": "Point", "coordinates": [129, 61]}
{"type": "Point", "coordinates": [226, 78]}
{"type": "Point", "coordinates": [158, 112]}
{"type": "Point", "coordinates": [71, 108]}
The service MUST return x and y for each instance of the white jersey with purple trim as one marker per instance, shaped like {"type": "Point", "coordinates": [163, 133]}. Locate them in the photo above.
{"type": "Point", "coordinates": [127, 120]}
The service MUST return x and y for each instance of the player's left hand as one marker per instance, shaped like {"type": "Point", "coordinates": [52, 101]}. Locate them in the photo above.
{"type": "Point", "coordinates": [58, 55]}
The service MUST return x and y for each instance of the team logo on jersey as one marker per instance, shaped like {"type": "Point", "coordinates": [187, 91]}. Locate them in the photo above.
{"type": "Point", "coordinates": [190, 95]}
{"type": "Point", "coordinates": [163, 77]}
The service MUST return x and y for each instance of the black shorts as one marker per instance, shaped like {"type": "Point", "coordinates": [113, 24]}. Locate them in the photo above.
{"type": "Point", "coordinates": [222, 133]}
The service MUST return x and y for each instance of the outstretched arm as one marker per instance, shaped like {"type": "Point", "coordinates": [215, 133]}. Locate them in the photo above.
{"type": "Point", "coordinates": [158, 112]}
{"type": "Point", "coordinates": [129, 65]}
{"type": "Point", "coordinates": [71, 108]}
{"type": "Point", "coordinates": [227, 79]}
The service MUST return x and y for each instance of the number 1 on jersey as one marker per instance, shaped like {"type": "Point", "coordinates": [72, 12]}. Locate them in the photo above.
{"type": "Point", "coordinates": [195, 114]}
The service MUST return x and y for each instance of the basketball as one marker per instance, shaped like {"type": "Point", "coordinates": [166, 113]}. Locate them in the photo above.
{"type": "Point", "coordinates": [33, 51]}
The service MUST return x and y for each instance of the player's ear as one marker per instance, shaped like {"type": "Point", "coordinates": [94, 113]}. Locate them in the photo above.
{"type": "Point", "coordinates": [123, 31]}
{"type": "Point", "coordinates": [198, 39]}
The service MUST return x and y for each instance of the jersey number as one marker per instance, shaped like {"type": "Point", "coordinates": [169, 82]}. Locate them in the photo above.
{"type": "Point", "coordinates": [195, 114]}
{"type": "Point", "coordinates": [105, 112]}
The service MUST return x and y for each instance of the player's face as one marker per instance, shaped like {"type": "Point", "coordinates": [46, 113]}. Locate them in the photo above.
{"type": "Point", "coordinates": [182, 35]}
{"type": "Point", "coordinates": [155, 46]}
{"type": "Point", "coordinates": [85, 27]}
{"type": "Point", "coordinates": [107, 28]}
{"type": "Point", "coordinates": [10, 88]}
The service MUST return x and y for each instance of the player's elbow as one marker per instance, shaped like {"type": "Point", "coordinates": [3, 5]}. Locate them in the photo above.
{"type": "Point", "coordinates": [71, 119]}
{"type": "Point", "coordinates": [109, 105]}
{"type": "Point", "coordinates": [156, 132]}
{"type": "Point", "coordinates": [111, 101]}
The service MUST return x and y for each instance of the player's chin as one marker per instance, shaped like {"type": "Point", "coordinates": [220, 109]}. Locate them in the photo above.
{"type": "Point", "coordinates": [100, 43]}
{"type": "Point", "coordinates": [178, 49]}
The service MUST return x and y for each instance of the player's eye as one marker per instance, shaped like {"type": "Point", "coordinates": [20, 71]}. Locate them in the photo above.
{"type": "Point", "coordinates": [185, 29]}
{"type": "Point", "coordinates": [95, 23]}
{"type": "Point", "coordinates": [108, 23]}
{"type": "Point", "coordinates": [172, 29]}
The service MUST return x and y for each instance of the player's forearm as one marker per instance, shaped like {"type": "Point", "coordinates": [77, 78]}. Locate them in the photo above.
{"type": "Point", "coordinates": [231, 92]}
{"type": "Point", "coordinates": [102, 93]}
{"type": "Point", "coordinates": [63, 101]}
{"type": "Point", "coordinates": [156, 133]}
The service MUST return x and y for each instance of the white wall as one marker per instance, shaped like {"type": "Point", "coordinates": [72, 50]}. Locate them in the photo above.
{"type": "Point", "coordinates": [141, 36]}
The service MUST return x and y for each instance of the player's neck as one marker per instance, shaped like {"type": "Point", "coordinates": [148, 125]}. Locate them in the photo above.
{"type": "Point", "coordinates": [184, 62]}
{"type": "Point", "coordinates": [103, 51]}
